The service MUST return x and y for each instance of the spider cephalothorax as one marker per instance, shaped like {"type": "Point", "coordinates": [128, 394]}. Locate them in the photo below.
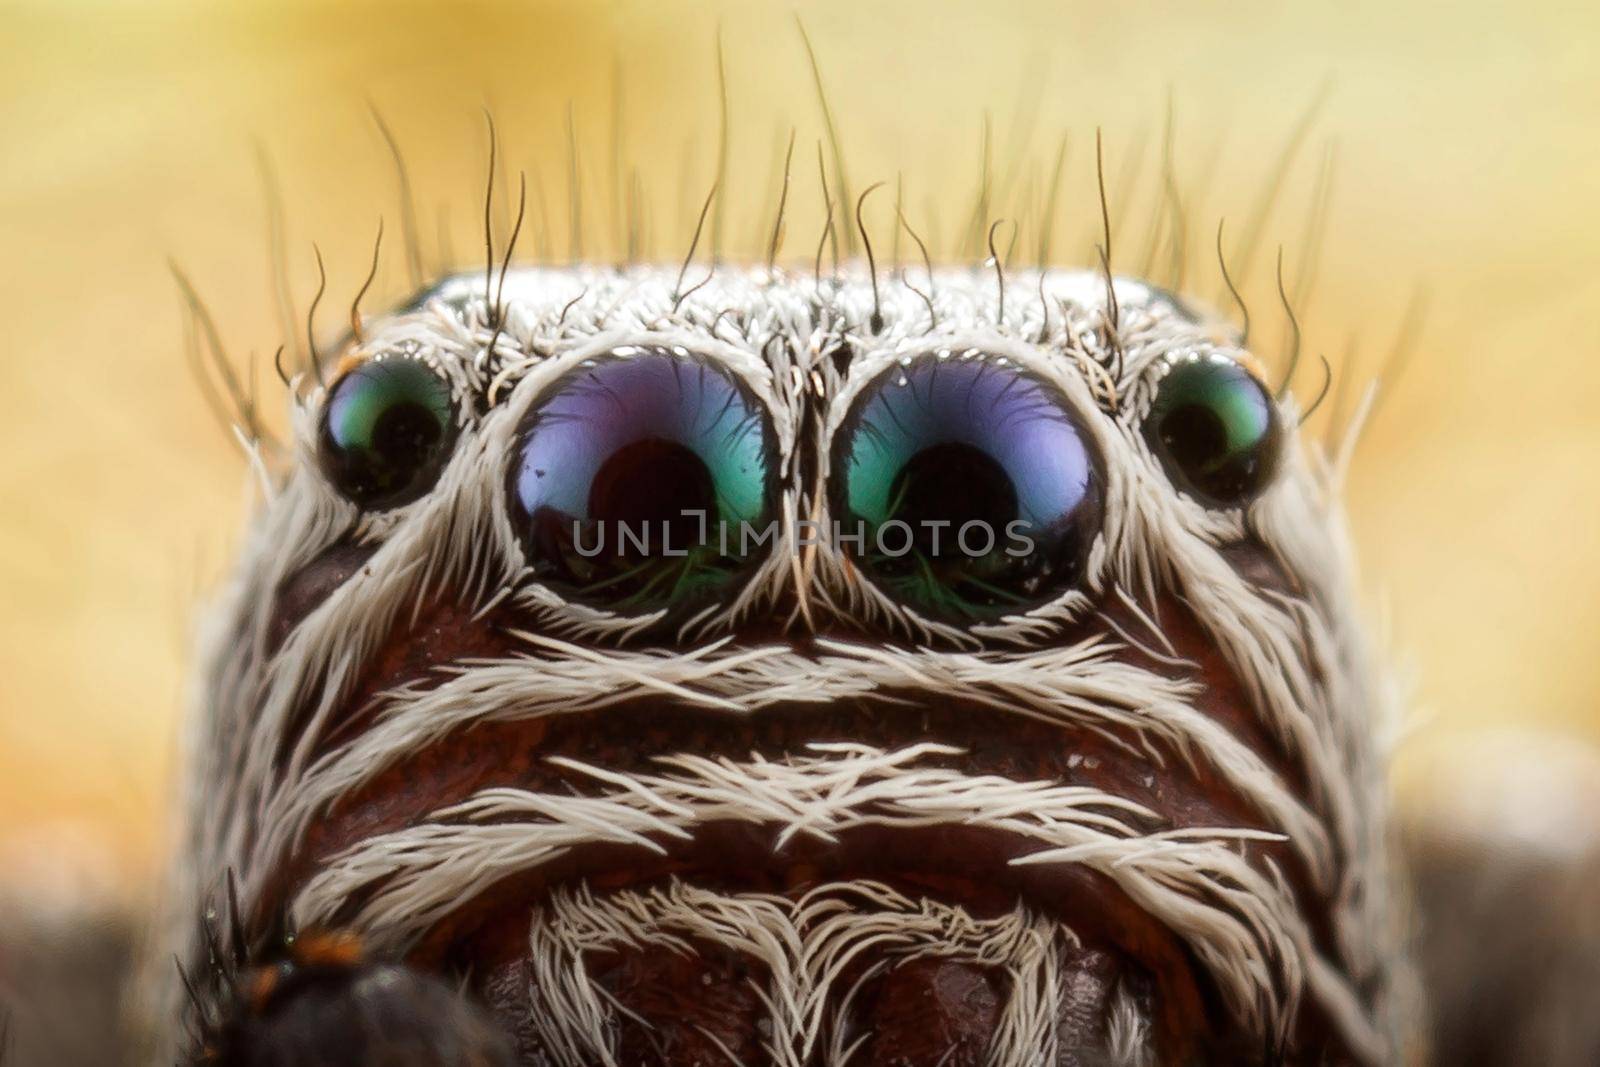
{"type": "Point", "coordinates": [799, 670]}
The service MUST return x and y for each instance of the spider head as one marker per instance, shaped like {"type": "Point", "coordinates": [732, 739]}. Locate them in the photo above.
{"type": "Point", "coordinates": [791, 666]}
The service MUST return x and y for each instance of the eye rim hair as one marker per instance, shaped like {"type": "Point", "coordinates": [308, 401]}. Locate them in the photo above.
{"type": "Point", "coordinates": [445, 331]}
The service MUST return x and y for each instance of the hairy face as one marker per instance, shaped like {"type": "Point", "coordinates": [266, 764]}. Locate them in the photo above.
{"type": "Point", "coordinates": [792, 670]}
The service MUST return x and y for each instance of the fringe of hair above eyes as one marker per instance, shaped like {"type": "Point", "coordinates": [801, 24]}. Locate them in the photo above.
{"type": "Point", "coordinates": [1170, 201]}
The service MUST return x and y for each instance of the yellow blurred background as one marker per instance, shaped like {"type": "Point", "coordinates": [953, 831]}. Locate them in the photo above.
{"type": "Point", "coordinates": [1464, 158]}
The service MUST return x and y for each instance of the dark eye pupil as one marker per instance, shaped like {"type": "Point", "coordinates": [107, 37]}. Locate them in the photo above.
{"type": "Point", "coordinates": [1197, 433]}
{"type": "Point", "coordinates": [385, 432]}
{"type": "Point", "coordinates": [404, 437]}
{"type": "Point", "coordinates": [949, 485]}
{"type": "Point", "coordinates": [650, 483]}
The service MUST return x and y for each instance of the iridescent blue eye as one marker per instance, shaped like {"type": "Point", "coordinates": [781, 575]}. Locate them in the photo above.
{"type": "Point", "coordinates": [1215, 428]}
{"type": "Point", "coordinates": [644, 481]}
{"type": "Point", "coordinates": [386, 431]}
{"type": "Point", "coordinates": [973, 488]}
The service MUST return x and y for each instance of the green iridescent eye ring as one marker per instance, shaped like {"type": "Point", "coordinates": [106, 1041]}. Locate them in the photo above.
{"type": "Point", "coordinates": [386, 431]}
{"type": "Point", "coordinates": [1215, 429]}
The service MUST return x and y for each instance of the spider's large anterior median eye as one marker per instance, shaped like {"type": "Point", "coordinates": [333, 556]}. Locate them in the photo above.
{"type": "Point", "coordinates": [1215, 428]}
{"type": "Point", "coordinates": [386, 431]}
{"type": "Point", "coordinates": [969, 488]}
{"type": "Point", "coordinates": [644, 481]}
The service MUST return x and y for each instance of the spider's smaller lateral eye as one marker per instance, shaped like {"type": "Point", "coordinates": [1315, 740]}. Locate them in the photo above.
{"type": "Point", "coordinates": [386, 431]}
{"type": "Point", "coordinates": [1216, 430]}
